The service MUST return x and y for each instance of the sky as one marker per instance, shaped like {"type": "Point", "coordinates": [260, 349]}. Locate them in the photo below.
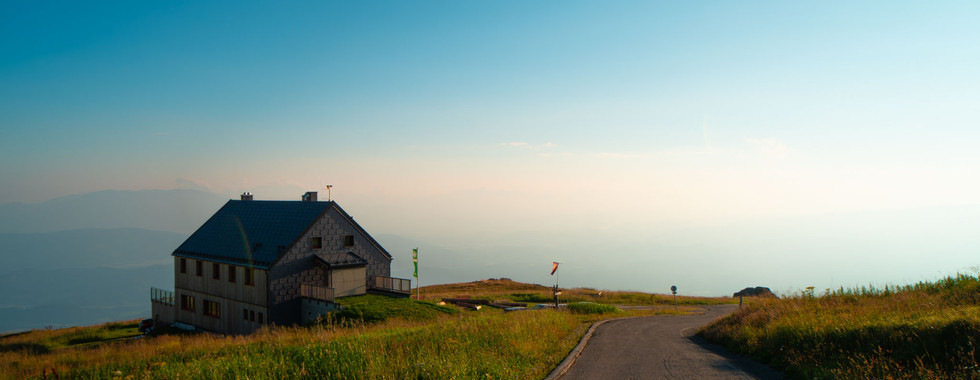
{"type": "Point", "coordinates": [624, 132]}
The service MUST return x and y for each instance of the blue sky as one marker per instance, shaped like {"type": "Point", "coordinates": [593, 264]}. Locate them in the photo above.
{"type": "Point", "coordinates": [446, 119]}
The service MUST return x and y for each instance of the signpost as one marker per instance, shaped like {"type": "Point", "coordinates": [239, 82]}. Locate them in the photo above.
{"type": "Point", "coordinates": [673, 289]}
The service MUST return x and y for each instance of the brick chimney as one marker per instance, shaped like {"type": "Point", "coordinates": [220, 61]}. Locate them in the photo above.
{"type": "Point", "coordinates": [246, 196]}
{"type": "Point", "coordinates": [310, 196]}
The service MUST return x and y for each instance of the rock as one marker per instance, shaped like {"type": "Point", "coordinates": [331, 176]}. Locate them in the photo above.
{"type": "Point", "coordinates": [757, 291]}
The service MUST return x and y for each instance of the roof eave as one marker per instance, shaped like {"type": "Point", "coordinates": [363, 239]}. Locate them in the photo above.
{"type": "Point", "coordinates": [221, 259]}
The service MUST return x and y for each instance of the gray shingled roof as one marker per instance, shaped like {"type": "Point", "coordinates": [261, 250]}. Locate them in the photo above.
{"type": "Point", "coordinates": [341, 259]}
{"type": "Point", "coordinates": [251, 233]}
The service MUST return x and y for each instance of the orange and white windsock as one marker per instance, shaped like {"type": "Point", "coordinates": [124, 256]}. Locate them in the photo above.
{"type": "Point", "coordinates": [554, 267]}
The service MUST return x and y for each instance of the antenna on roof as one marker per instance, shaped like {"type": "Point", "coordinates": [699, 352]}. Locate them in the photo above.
{"type": "Point", "coordinates": [328, 192]}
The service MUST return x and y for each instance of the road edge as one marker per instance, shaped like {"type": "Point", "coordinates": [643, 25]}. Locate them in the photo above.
{"type": "Point", "coordinates": [572, 356]}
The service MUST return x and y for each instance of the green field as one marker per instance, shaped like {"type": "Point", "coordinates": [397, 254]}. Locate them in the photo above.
{"type": "Point", "coordinates": [374, 337]}
{"type": "Point", "coordinates": [929, 330]}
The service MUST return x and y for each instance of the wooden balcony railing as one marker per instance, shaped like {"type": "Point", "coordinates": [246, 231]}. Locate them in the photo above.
{"type": "Point", "coordinates": [393, 284]}
{"type": "Point", "coordinates": [316, 292]}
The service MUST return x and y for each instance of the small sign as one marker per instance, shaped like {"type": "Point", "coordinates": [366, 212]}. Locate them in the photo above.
{"type": "Point", "coordinates": [673, 288]}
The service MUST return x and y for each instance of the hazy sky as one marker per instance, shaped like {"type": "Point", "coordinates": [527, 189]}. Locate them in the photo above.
{"type": "Point", "coordinates": [469, 120]}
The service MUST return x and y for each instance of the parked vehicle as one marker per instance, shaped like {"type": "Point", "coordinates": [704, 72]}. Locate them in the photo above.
{"type": "Point", "coordinates": [145, 326]}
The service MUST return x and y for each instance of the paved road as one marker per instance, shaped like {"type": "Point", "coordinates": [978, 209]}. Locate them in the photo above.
{"type": "Point", "coordinates": [661, 347]}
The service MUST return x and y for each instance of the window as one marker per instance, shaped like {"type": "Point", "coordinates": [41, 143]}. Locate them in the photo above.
{"type": "Point", "coordinates": [231, 273]}
{"type": "Point", "coordinates": [249, 276]}
{"type": "Point", "coordinates": [200, 268]}
{"type": "Point", "coordinates": [187, 302]}
{"type": "Point", "coordinates": [348, 240]}
{"type": "Point", "coordinates": [316, 242]}
{"type": "Point", "coordinates": [212, 309]}
{"type": "Point", "coordinates": [216, 271]}
{"type": "Point", "coordinates": [260, 317]}
{"type": "Point", "coordinates": [251, 315]}
{"type": "Point", "coordinates": [183, 265]}
{"type": "Point", "coordinates": [244, 314]}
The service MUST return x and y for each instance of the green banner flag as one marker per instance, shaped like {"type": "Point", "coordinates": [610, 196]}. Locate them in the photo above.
{"type": "Point", "coordinates": [415, 260]}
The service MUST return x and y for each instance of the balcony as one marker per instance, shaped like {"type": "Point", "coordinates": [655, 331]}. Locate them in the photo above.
{"type": "Point", "coordinates": [165, 297]}
{"type": "Point", "coordinates": [316, 292]}
{"type": "Point", "coordinates": [392, 284]}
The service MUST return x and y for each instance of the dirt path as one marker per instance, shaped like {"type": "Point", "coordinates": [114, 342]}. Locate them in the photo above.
{"type": "Point", "coordinates": [661, 347]}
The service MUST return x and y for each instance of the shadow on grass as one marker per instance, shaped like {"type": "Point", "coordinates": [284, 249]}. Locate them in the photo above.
{"type": "Point", "coordinates": [31, 348]}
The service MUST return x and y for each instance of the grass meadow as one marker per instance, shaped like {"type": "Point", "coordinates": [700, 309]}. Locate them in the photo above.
{"type": "Point", "coordinates": [928, 330]}
{"type": "Point", "coordinates": [505, 289]}
{"type": "Point", "coordinates": [379, 338]}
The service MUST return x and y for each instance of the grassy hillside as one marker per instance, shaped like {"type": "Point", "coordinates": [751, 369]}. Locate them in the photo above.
{"type": "Point", "coordinates": [375, 337]}
{"type": "Point", "coordinates": [926, 330]}
{"type": "Point", "coordinates": [506, 289]}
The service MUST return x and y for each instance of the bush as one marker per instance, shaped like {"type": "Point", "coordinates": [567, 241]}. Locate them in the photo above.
{"type": "Point", "coordinates": [591, 308]}
{"type": "Point", "coordinates": [532, 297]}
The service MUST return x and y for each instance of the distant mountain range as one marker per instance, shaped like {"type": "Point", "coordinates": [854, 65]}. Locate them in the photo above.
{"type": "Point", "coordinates": [91, 258]}
{"type": "Point", "coordinates": [87, 248]}
{"type": "Point", "coordinates": [180, 211]}
{"type": "Point", "coordinates": [37, 298]}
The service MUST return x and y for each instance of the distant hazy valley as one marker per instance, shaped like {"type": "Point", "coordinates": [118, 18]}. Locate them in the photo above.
{"type": "Point", "coordinates": [91, 258]}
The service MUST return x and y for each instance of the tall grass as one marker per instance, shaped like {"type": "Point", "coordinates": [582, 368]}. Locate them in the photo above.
{"type": "Point", "coordinates": [497, 345]}
{"type": "Point", "coordinates": [485, 346]}
{"type": "Point", "coordinates": [43, 341]}
{"type": "Point", "coordinates": [378, 338]}
{"type": "Point", "coordinates": [925, 330]}
{"type": "Point", "coordinates": [591, 308]}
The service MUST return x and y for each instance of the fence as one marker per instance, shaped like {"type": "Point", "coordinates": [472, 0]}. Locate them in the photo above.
{"type": "Point", "coordinates": [393, 284]}
{"type": "Point", "coordinates": [165, 297]}
{"type": "Point", "coordinates": [316, 292]}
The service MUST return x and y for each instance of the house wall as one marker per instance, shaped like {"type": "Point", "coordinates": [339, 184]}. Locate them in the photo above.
{"type": "Point", "coordinates": [232, 297]}
{"type": "Point", "coordinates": [296, 266]}
{"type": "Point", "coordinates": [348, 281]}
{"type": "Point", "coordinates": [163, 314]}
{"type": "Point", "coordinates": [256, 294]}
{"type": "Point", "coordinates": [230, 319]}
{"type": "Point", "coordinates": [312, 309]}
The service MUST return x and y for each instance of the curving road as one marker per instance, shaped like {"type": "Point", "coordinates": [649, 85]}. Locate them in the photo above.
{"type": "Point", "coordinates": [661, 347]}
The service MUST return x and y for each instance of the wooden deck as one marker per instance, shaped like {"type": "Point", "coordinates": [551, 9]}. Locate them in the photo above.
{"type": "Point", "coordinates": [393, 284]}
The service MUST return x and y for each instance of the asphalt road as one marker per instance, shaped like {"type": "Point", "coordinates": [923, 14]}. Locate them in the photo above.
{"type": "Point", "coordinates": [661, 347]}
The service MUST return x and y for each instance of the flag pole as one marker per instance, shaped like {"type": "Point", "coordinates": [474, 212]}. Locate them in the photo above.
{"type": "Point", "coordinates": [554, 271]}
{"type": "Point", "coordinates": [418, 284]}
{"type": "Point", "coordinates": [418, 287]}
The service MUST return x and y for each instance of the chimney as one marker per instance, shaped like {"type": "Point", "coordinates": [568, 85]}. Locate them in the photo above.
{"type": "Point", "coordinates": [310, 196]}
{"type": "Point", "coordinates": [246, 196]}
